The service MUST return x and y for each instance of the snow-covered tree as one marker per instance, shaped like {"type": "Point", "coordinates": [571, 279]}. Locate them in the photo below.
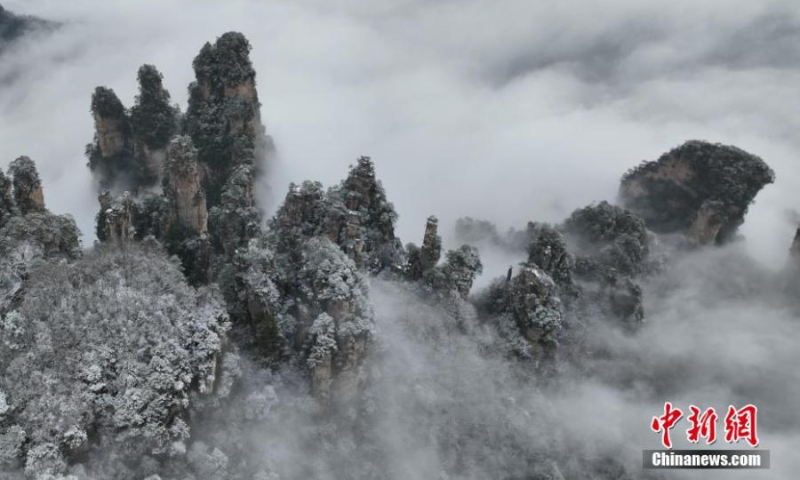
{"type": "Point", "coordinates": [101, 356]}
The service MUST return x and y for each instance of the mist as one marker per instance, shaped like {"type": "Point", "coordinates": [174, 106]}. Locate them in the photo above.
{"type": "Point", "coordinates": [510, 113]}
{"type": "Point", "coordinates": [524, 112]}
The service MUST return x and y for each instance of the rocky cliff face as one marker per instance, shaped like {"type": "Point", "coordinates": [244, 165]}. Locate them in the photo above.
{"type": "Point", "coordinates": [154, 122]}
{"type": "Point", "coordinates": [207, 208]}
{"type": "Point", "coordinates": [130, 147]}
{"type": "Point", "coordinates": [699, 189]}
{"type": "Point", "coordinates": [527, 312]}
{"type": "Point", "coordinates": [794, 251]}
{"type": "Point", "coordinates": [28, 194]}
{"type": "Point", "coordinates": [116, 219]}
{"type": "Point", "coordinates": [426, 257]}
{"type": "Point", "coordinates": [294, 296]}
{"type": "Point", "coordinates": [224, 117]}
{"type": "Point", "coordinates": [187, 199]}
{"type": "Point", "coordinates": [361, 220]}
{"type": "Point", "coordinates": [111, 153]}
{"type": "Point", "coordinates": [305, 306]}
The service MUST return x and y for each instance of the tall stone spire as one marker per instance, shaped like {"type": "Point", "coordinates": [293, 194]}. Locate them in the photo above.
{"type": "Point", "coordinates": [187, 200]}
{"type": "Point", "coordinates": [28, 193]}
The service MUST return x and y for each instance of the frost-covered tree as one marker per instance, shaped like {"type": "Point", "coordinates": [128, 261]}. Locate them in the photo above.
{"type": "Point", "coordinates": [549, 252]}
{"type": "Point", "coordinates": [153, 121]}
{"type": "Point", "coordinates": [610, 236]}
{"type": "Point", "coordinates": [527, 312]}
{"type": "Point", "coordinates": [27, 230]}
{"type": "Point", "coordinates": [39, 235]}
{"type": "Point", "coordinates": [304, 214]}
{"type": "Point", "coordinates": [361, 220]}
{"type": "Point", "coordinates": [100, 358]}
{"type": "Point", "coordinates": [457, 273]}
{"type": "Point", "coordinates": [250, 284]}
{"type": "Point", "coordinates": [612, 248]}
{"type": "Point", "coordinates": [7, 206]}
{"type": "Point", "coordinates": [36, 236]}
{"type": "Point", "coordinates": [307, 308]}
{"type": "Point", "coordinates": [236, 219]}
{"type": "Point", "coordinates": [28, 194]}
{"type": "Point", "coordinates": [223, 116]}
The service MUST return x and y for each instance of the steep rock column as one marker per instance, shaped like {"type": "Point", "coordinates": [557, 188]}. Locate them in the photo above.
{"type": "Point", "coordinates": [364, 218]}
{"type": "Point", "coordinates": [115, 222]}
{"type": "Point", "coordinates": [154, 121]}
{"type": "Point", "coordinates": [223, 117]}
{"type": "Point", "coordinates": [428, 255]}
{"type": "Point", "coordinates": [187, 200]}
{"type": "Point", "coordinates": [111, 153]}
{"type": "Point", "coordinates": [431, 249]}
{"type": "Point", "coordinates": [28, 193]}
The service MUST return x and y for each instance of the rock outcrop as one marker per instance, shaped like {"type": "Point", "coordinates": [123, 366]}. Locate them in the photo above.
{"type": "Point", "coordinates": [111, 153]}
{"type": "Point", "coordinates": [548, 251]}
{"type": "Point", "coordinates": [354, 215]}
{"type": "Point", "coordinates": [699, 189]}
{"type": "Point", "coordinates": [187, 199]}
{"type": "Point", "coordinates": [426, 257]}
{"type": "Point", "coordinates": [28, 194]}
{"type": "Point", "coordinates": [207, 208]}
{"type": "Point", "coordinates": [612, 248]}
{"type": "Point", "coordinates": [527, 312]}
{"type": "Point", "coordinates": [610, 237]}
{"type": "Point", "coordinates": [361, 220]}
{"type": "Point", "coordinates": [457, 273]}
{"type": "Point", "coordinates": [304, 303]}
{"type": "Point", "coordinates": [154, 122]}
{"type": "Point", "coordinates": [224, 117]}
{"type": "Point", "coordinates": [116, 219]}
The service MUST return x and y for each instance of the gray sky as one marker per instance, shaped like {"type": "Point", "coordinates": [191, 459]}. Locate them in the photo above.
{"type": "Point", "coordinates": [514, 111]}
{"type": "Point", "coordinates": [510, 111]}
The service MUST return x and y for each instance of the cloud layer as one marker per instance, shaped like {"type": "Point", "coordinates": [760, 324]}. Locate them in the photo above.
{"type": "Point", "coordinates": [514, 113]}
{"type": "Point", "coordinates": [517, 112]}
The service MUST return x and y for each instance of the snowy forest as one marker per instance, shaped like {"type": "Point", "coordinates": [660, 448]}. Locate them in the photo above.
{"type": "Point", "coordinates": [213, 324]}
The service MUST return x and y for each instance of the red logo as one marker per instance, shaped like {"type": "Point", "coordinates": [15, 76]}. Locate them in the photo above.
{"type": "Point", "coordinates": [704, 425]}
{"type": "Point", "coordinates": [739, 424]}
{"type": "Point", "coordinates": [665, 423]}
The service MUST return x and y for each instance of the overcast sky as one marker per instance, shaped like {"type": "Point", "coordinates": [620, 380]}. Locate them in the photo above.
{"type": "Point", "coordinates": [511, 111]}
